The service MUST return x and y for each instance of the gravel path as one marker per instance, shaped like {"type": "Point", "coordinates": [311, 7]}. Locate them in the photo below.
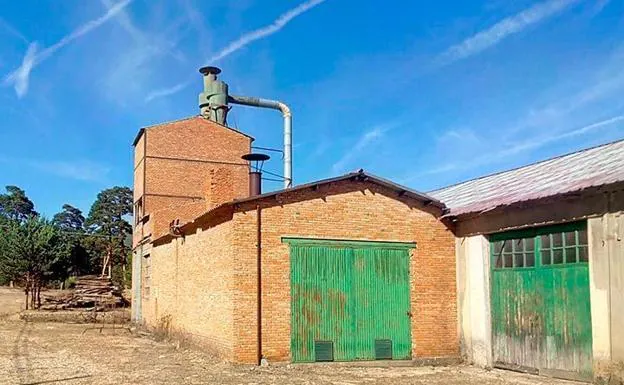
{"type": "Point", "coordinates": [73, 354]}
{"type": "Point", "coordinates": [55, 353]}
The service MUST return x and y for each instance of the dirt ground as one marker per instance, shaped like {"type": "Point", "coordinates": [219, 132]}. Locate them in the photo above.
{"type": "Point", "coordinates": [56, 353]}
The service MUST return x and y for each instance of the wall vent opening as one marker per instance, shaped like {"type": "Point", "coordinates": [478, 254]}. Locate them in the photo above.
{"type": "Point", "coordinates": [383, 349]}
{"type": "Point", "coordinates": [323, 351]}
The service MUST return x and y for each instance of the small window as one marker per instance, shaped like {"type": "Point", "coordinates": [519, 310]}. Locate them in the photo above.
{"type": "Point", "coordinates": [138, 211]}
{"type": "Point", "coordinates": [147, 276]}
{"type": "Point", "coordinates": [557, 239]}
{"type": "Point", "coordinates": [498, 247]}
{"type": "Point", "coordinates": [570, 254]}
{"type": "Point", "coordinates": [507, 260]}
{"type": "Point", "coordinates": [570, 238]}
{"type": "Point", "coordinates": [546, 257]}
{"type": "Point", "coordinates": [557, 256]}
{"type": "Point", "coordinates": [582, 237]}
{"type": "Point", "coordinates": [582, 254]}
{"type": "Point", "coordinates": [529, 259]}
{"type": "Point", "coordinates": [545, 241]}
{"type": "Point", "coordinates": [497, 250]}
{"type": "Point", "coordinates": [549, 246]}
{"type": "Point", "coordinates": [518, 259]}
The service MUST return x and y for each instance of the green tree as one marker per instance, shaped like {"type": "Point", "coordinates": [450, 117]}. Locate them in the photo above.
{"type": "Point", "coordinates": [15, 205]}
{"type": "Point", "coordinates": [107, 220]}
{"type": "Point", "coordinates": [71, 224]}
{"type": "Point", "coordinates": [31, 253]}
{"type": "Point", "coordinates": [70, 219]}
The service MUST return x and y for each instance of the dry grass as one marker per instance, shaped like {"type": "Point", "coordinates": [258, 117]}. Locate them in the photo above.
{"type": "Point", "coordinates": [73, 354]}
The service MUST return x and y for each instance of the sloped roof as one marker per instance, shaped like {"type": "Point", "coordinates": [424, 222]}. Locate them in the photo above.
{"type": "Point", "coordinates": [573, 172]}
{"type": "Point", "coordinates": [358, 176]}
{"type": "Point", "coordinates": [195, 117]}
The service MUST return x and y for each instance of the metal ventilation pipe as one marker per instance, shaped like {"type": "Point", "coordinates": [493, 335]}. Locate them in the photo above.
{"type": "Point", "coordinates": [275, 105]}
{"type": "Point", "coordinates": [255, 162]}
{"type": "Point", "coordinates": [213, 105]}
{"type": "Point", "coordinates": [213, 101]}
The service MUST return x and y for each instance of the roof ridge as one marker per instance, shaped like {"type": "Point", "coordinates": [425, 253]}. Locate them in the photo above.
{"type": "Point", "coordinates": [142, 129]}
{"type": "Point", "coordinates": [170, 121]}
{"type": "Point", "coordinates": [526, 165]}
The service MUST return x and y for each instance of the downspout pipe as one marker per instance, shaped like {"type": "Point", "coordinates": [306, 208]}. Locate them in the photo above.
{"type": "Point", "coordinates": [259, 283]}
{"type": "Point", "coordinates": [275, 105]}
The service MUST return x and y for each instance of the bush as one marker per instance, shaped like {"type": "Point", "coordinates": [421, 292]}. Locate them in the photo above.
{"type": "Point", "coordinates": [70, 283]}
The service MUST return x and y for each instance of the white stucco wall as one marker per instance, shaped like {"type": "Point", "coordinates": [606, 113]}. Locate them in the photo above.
{"type": "Point", "coordinates": [606, 269]}
{"type": "Point", "coordinates": [473, 282]}
{"type": "Point", "coordinates": [599, 288]}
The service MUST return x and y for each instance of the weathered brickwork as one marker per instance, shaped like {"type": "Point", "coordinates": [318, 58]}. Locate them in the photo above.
{"type": "Point", "coordinates": [175, 163]}
{"type": "Point", "coordinates": [191, 288]}
{"type": "Point", "coordinates": [343, 210]}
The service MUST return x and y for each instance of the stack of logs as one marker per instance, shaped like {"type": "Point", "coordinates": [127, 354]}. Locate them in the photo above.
{"type": "Point", "coordinates": [91, 293]}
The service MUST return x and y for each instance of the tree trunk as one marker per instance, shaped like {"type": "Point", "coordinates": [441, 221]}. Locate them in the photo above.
{"type": "Point", "coordinates": [39, 296]}
{"type": "Point", "coordinates": [26, 290]}
{"type": "Point", "coordinates": [33, 295]}
{"type": "Point", "coordinates": [107, 260]}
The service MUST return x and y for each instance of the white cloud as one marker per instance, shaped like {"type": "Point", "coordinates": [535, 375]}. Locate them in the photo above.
{"type": "Point", "coordinates": [20, 77]}
{"type": "Point", "coordinates": [541, 142]}
{"type": "Point", "coordinates": [504, 28]}
{"type": "Point", "coordinates": [12, 30]}
{"type": "Point", "coordinates": [366, 139]}
{"type": "Point", "coordinates": [243, 41]}
{"type": "Point", "coordinates": [263, 32]}
{"type": "Point", "coordinates": [519, 148]}
{"type": "Point", "coordinates": [124, 20]}
{"type": "Point", "coordinates": [165, 92]}
{"type": "Point", "coordinates": [149, 42]}
{"type": "Point", "coordinates": [22, 74]}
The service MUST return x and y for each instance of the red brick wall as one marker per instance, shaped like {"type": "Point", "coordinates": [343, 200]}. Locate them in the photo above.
{"type": "Point", "coordinates": [177, 166]}
{"type": "Point", "coordinates": [335, 211]}
{"type": "Point", "coordinates": [191, 289]}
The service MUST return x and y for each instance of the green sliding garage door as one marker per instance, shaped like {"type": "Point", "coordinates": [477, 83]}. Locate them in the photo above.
{"type": "Point", "coordinates": [350, 300]}
{"type": "Point", "coordinates": [541, 319]}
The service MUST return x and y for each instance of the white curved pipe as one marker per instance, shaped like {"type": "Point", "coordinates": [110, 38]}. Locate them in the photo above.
{"type": "Point", "coordinates": [275, 105]}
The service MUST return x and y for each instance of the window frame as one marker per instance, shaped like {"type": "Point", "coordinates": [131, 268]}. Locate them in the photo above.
{"type": "Point", "coordinates": [536, 234]}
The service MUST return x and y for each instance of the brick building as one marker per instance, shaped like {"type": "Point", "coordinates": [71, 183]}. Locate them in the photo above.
{"type": "Point", "coordinates": [181, 169]}
{"type": "Point", "coordinates": [205, 283]}
{"type": "Point", "coordinates": [521, 269]}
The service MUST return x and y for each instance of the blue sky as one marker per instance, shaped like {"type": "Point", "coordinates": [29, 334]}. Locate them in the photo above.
{"type": "Point", "coordinates": [424, 93]}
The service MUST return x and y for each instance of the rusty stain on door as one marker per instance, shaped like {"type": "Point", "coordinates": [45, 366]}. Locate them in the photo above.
{"type": "Point", "coordinates": [352, 295]}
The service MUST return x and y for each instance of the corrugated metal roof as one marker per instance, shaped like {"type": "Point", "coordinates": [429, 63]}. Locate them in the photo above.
{"type": "Point", "coordinates": [591, 167]}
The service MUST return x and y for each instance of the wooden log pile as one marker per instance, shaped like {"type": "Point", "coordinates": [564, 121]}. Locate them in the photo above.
{"type": "Point", "coordinates": [90, 293]}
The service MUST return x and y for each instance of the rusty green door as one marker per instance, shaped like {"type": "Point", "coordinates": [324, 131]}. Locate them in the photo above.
{"type": "Point", "coordinates": [541, 320]}
{"type": "Point", "coordinates": [350, 299]}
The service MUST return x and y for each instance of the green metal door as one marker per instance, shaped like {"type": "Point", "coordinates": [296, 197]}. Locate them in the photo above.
{"type": "Point", "coordinates": [541, 320]}
{"type": "Point", "coordinates": [350, 301]}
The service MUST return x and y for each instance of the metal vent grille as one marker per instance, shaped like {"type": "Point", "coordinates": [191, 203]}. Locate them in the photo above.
{"type": "Point", "coordinates": [323, 351]}
{"type": "Point", "coordinates": [383, 349]}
